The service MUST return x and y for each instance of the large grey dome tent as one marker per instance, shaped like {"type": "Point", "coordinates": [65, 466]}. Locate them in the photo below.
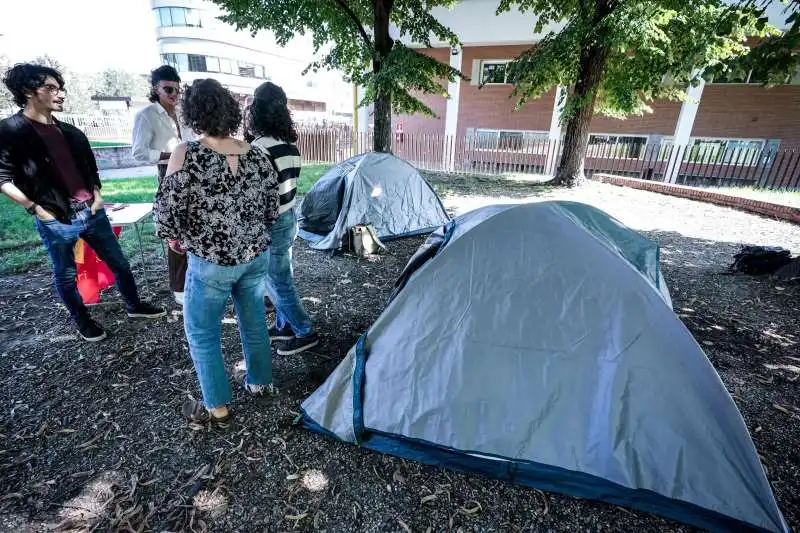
{"type": "Point", "coordinates": [536, 343]}
{"type": "Point", "coordinates": [369, 188]}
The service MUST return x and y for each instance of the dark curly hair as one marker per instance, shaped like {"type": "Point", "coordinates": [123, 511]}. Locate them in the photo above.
{"type": "Point", "coordinates": [208, 107]}
{"type": "Point", "coordinates": [28, 78]}
{"type": "Point", "coordinates": [270, 115]}
{"type": "Point", "coordinates": [162, 73]}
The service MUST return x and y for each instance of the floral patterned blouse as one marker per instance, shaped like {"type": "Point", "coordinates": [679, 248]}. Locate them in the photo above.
{"type": "Point", "coordinates": [215, 214]}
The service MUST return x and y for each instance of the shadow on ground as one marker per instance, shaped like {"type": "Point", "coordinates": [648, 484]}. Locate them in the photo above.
{"type": "Point", "coordinates": [92, 435]}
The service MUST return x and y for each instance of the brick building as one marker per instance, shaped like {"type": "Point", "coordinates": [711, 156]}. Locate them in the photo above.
{"type": "Point", "coordinates": [734, 119]}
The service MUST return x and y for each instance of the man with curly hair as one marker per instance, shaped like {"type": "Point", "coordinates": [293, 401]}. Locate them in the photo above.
{"type": "Point", "coordinates": [49, 169]}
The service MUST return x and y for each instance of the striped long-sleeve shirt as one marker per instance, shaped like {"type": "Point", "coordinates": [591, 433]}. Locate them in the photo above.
{"type": "Point", "coordinates": [287, 162]}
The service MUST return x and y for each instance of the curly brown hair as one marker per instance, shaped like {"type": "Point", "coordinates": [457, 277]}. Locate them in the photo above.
{"type": "Point", "coordinates": [208, 107]}
{"type": "Point", "coordinates": [25, 78]}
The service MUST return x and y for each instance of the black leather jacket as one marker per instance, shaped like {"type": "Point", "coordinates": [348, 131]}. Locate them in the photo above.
{"type": "Point", "coordinates": [25, 161]}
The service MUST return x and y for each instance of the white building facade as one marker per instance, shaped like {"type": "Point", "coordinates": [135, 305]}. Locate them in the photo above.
{"type": "Point", "coordinates": [192, 39]}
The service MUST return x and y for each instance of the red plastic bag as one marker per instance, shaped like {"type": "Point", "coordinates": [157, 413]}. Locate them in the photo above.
{"type": "Point", "coordinates": [93, 274]}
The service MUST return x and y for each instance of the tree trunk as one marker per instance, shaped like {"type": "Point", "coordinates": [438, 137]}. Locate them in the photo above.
{"type": "Point", "coordinates": [576, 137]}
{"type": "Point", "coordinates": [382, 134]}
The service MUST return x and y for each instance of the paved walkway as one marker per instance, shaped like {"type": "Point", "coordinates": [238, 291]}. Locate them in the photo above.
{"type": "Point", "coordinates": [133, 172]}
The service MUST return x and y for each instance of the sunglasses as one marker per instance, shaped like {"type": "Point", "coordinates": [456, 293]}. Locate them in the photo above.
{"type": "Point", "coordinates": [53, 89]}
{"type": "Point", "coordinates": [171, 90]}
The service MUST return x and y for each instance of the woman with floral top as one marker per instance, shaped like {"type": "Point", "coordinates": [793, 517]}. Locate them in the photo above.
{"type": "Point", "coordinates": [217, 202]}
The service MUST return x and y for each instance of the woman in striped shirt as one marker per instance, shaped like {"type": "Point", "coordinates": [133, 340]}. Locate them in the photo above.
{"type": "Point", "coordinates": [271, 125]}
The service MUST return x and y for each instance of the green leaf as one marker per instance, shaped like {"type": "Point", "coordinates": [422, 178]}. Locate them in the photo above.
{"type": "Point", "coordinates": [344, 36]}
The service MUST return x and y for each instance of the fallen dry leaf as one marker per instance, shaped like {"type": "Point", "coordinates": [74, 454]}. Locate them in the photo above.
{"type": "Point", "coordinates": [473, 509]}
{"type": "Point", "coordinates": [781, 408]}
{"type": "Point", "coordinates": [404, 525]}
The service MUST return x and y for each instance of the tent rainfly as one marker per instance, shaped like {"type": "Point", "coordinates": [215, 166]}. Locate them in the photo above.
{"type": "Point", "coordinates": [374, 188]}
{"type": "Point", "coordinates": [537, 343]}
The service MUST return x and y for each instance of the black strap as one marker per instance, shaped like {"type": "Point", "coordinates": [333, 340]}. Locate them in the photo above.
{"type": "Point", "coordinates": [269, 156]}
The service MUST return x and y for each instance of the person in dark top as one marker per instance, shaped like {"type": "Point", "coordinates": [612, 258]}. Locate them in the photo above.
{"type": "Point", "coordinates": [48, 168]}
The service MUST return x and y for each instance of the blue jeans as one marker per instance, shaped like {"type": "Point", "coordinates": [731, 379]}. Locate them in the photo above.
{"type": "Point", "coordinates": [59, 239]}
{"type": "Point", "coordinates": [208, 287]}
{"type": "Point", "coordinates": [280, 277]}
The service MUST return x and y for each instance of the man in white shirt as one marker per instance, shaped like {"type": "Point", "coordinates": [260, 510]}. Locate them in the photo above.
{"type": "Point", "coordinates": [156, 132]}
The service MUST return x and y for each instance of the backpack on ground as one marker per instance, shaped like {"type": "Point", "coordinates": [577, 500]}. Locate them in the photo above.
{"type": "Point", "coordinates": [760, 260]}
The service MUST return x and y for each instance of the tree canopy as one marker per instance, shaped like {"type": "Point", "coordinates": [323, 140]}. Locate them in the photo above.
{"type": "Point", "coordinates": [616, 56]}
{"type": "Point", "coordinates": [6, 101]}
{"type": "Point", "coordinates": [81, 87]}
{"type": "Point", "coordinates": [353, 36]}
{"type": "Point", "coordinates": [776, 58]}
{"type": "Point", "coordinates": [117, 82]}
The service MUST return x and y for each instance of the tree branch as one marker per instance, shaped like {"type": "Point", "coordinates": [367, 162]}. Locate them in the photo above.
{"type": "Point", "coordinates": [359, 26]}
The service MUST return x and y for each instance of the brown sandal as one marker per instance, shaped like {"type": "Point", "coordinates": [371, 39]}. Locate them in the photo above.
{"type": "Point", "coordinates": [194, 411]}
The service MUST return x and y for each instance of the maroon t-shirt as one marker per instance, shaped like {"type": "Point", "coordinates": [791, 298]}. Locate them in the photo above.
{"type": "Point", "coordinates": [63, 160]}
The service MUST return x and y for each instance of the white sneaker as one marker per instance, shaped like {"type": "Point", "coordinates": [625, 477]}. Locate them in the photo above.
{"type": "Point", "coordinates": [261, 390]}
{"type": "Point", "coordinates": [178, 298]}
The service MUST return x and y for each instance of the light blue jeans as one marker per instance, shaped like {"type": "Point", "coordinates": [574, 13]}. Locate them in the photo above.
{"type": "Point", "coordinates": [280, 277]}
{"type": "Point", "coordinates": [208, 287]}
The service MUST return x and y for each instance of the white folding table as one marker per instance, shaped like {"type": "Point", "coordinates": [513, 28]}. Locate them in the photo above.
{"type": "Point", "coordinates": [135, 216]}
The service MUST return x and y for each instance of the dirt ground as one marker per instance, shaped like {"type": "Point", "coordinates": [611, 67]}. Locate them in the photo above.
{"type": "Point", "coordinates": [91, 435]}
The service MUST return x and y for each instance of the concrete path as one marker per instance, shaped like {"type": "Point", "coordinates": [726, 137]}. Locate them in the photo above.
{"type": "Point", "coordinates": [133, 172]}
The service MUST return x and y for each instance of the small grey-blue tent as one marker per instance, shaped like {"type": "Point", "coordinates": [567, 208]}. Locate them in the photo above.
{"type": "Point", "coordinates": [537, 343]}
{"type": "Point", "coordinates": [373, 188]}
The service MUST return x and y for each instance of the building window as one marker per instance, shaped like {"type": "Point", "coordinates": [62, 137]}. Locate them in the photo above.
{"type": "Point", "coordinates": [618, 146]}
{"type": "Point", "coordinates": [193, 18]}
{"type": "Point", "coordinates": [212, 64]}
{"type": "Point", "coordinates": [716, 151]}
{"type": "Point", "coordinates": [756, 76]}
{"type": "Point", "coordinates": [225, 66]}
{"type": "Point", "coordinates": [169, 59]}
{"type": "Point", "coordinates": [197, 63]}
{"type": "Point", "coordinates": [724, 151]}
{"type": "Point", "coordinates": [494, 72]}
{"type": "Point", "coordinates": [177, 16]}
{"type": "Point", "coordinates": [247, 70]}
{"type": "Point", "coordinates": [306, 105]}
{"type": "Point", "coordinates": [730, 77]}
{"type": "Point", "coordinates": [509, 140]}
{"type": "Point", "coordinates": [200, 63]}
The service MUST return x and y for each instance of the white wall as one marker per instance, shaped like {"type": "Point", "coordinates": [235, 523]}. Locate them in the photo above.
{"type": "Point", "coordinates": [476, 24]}
{"type": "Point", "coordinates": [283, 65]}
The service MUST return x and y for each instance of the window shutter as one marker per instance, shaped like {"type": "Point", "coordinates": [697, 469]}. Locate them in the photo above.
{"type": "Point", "coordinates": [475, 77]}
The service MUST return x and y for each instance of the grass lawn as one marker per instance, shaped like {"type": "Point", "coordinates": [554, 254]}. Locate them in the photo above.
{"type": "Point", "coordinates": [778, 196]}
{"type": "Point", "coordinates": [107, 144]}
{"type": "Point", "coordinates": [20, 247]}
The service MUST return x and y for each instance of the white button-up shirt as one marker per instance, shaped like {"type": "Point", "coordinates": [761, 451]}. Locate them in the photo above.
{"type": "Point", "coordinates": [154, 131]}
